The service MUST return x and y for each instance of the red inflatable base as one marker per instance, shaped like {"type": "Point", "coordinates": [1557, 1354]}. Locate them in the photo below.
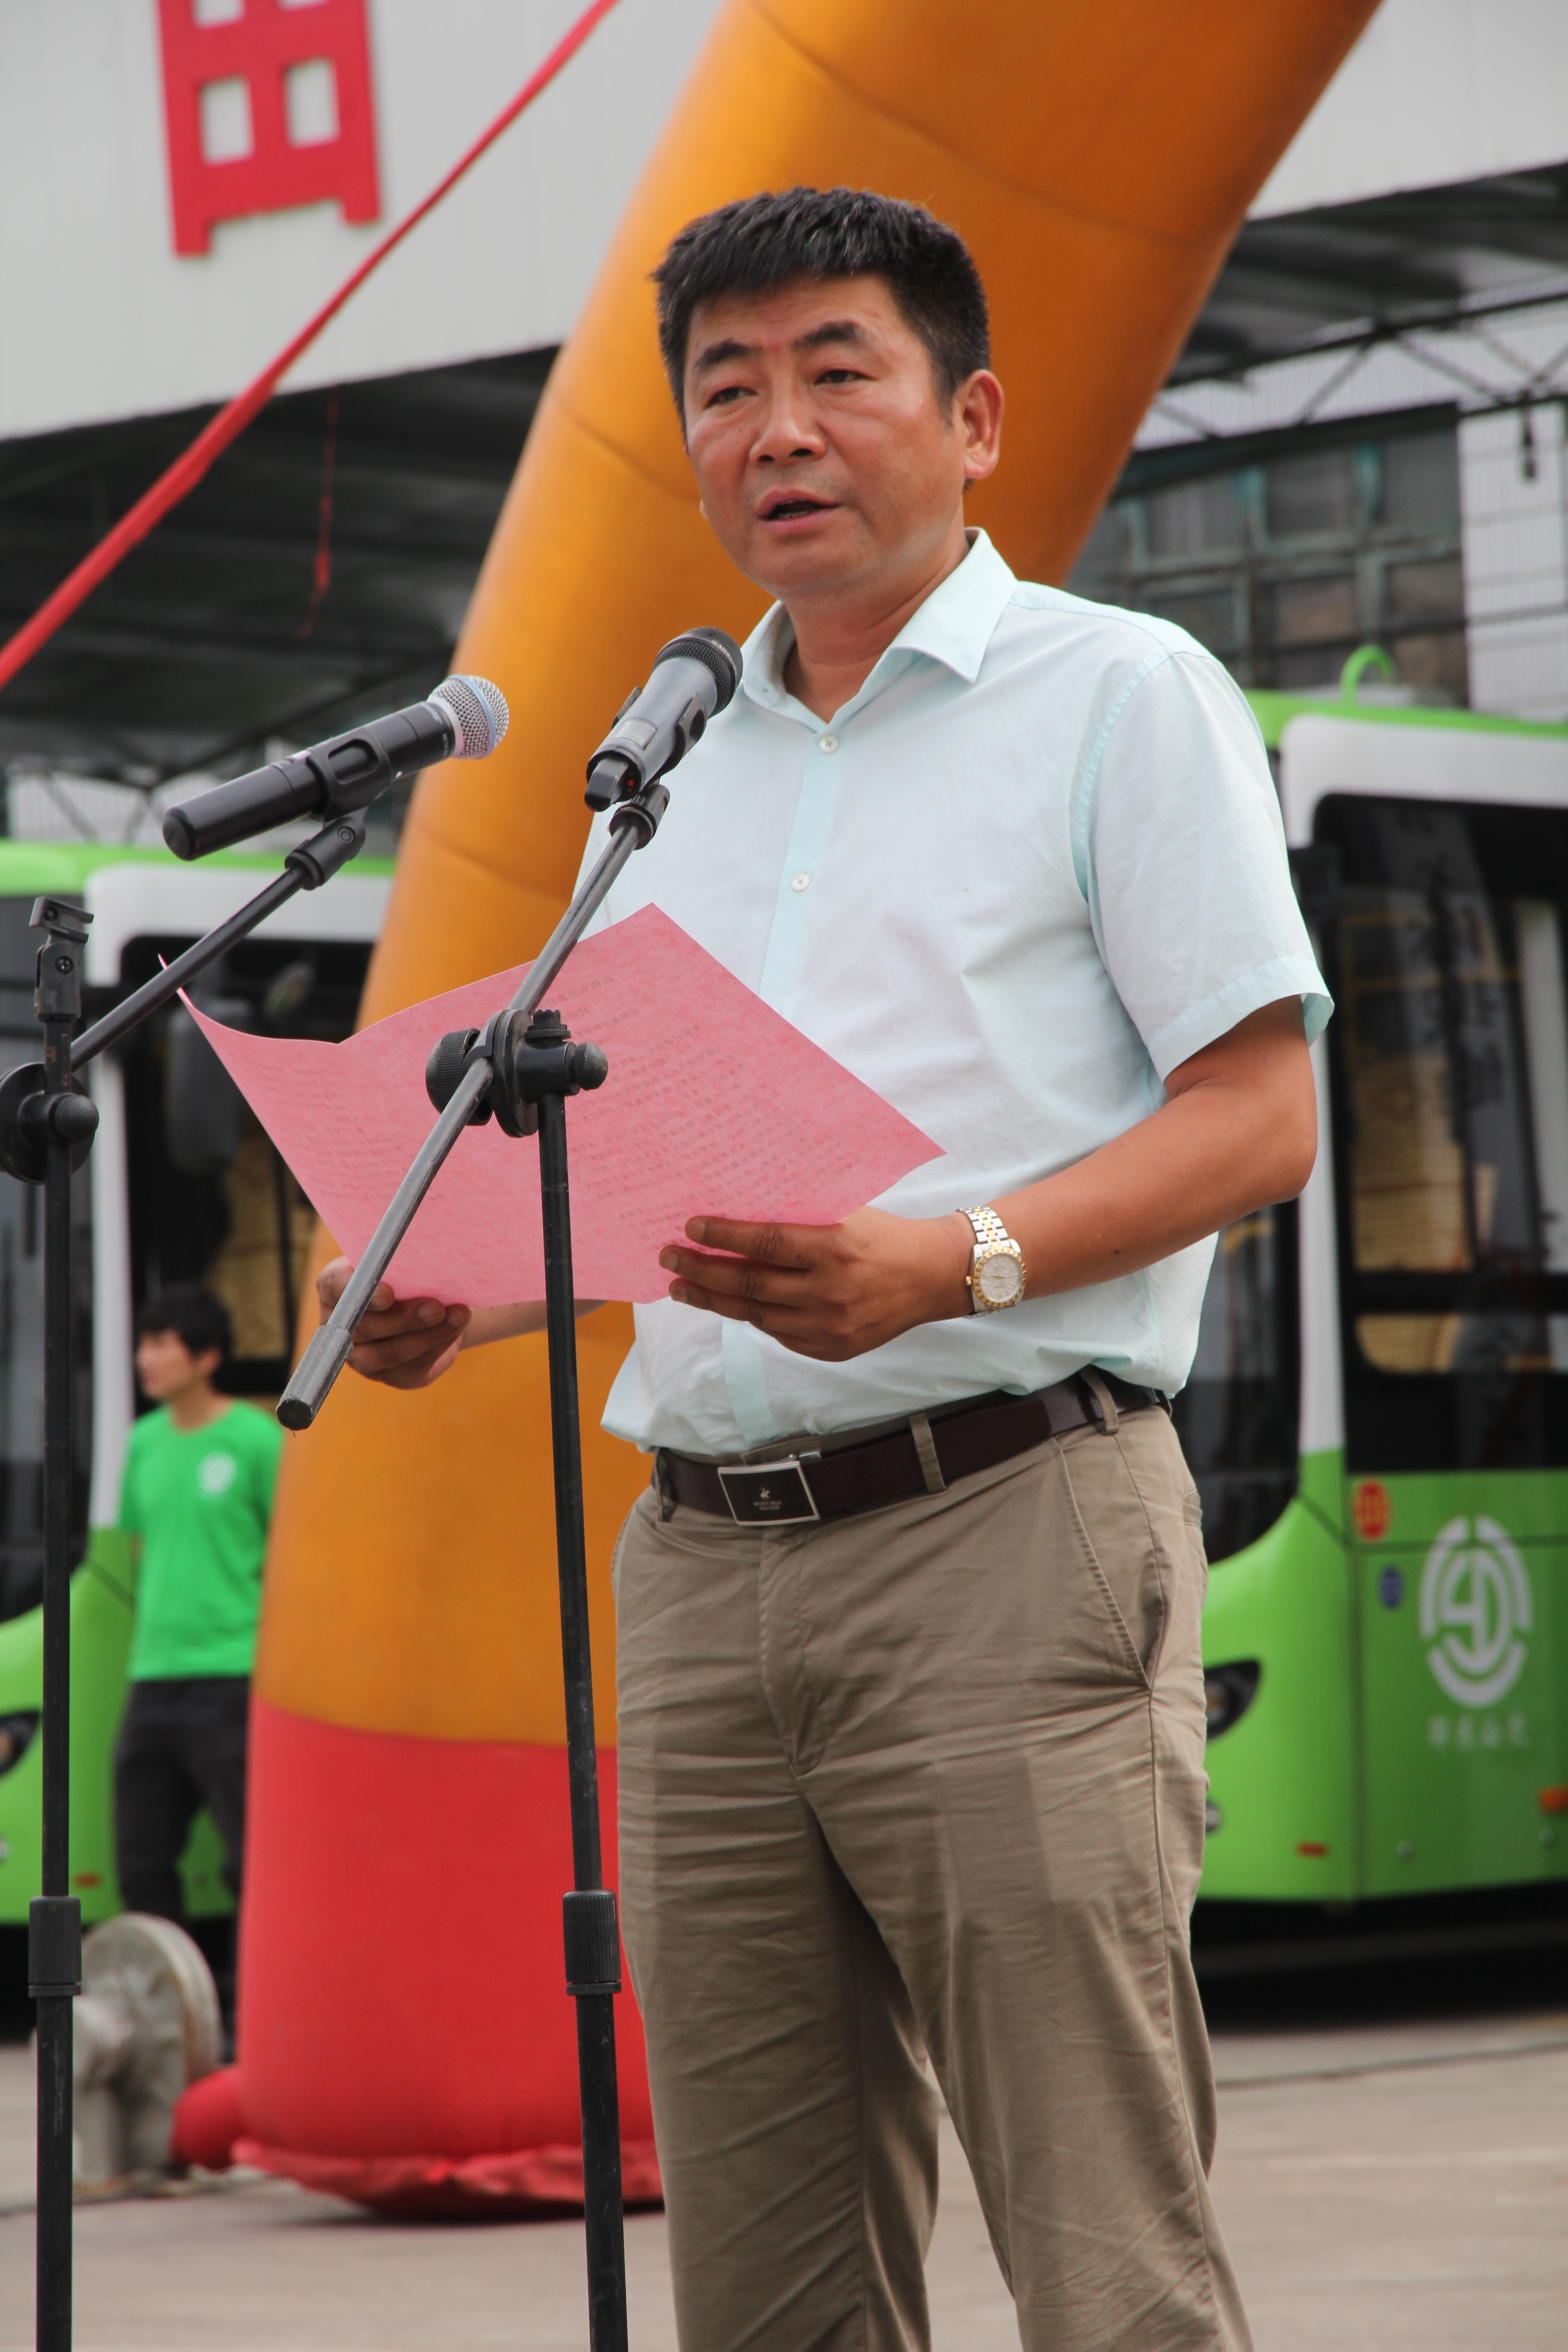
{"type": "Point", "coordinates": [208, 2119]}
{"type": "Point", "coordinates": [405, 2035]}
{"type": "Point", "coordinates": [531, 2183]}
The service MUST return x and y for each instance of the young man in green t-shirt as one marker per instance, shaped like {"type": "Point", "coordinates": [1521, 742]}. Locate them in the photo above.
{"type": "Point", "coordinates": [195, 1500]}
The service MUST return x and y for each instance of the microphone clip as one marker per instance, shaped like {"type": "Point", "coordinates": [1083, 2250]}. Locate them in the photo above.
{"type": "Point", "coordinates": [327, 852]}
{"type": "Point", "coordinates": [642, 811]}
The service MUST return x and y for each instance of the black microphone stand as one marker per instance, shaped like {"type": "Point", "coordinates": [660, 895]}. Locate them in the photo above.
{"type": "Point", "coordinates": [521, 1067]}
{"type": "Point", "coordinates": [47, 1125]}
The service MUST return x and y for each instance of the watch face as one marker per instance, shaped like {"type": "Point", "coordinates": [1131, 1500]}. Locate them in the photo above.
{"type": "Point", "coordinates": [999, 1280]}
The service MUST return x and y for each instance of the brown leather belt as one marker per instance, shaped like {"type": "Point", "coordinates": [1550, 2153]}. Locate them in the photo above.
{"type": "Point", "coordinates": [922, 1456]}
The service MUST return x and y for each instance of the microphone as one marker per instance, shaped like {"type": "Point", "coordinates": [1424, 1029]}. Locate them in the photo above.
{"type": "Point", "coordinates": [465, 719]}
{"type": "Point", "coordinates": [692, 677]}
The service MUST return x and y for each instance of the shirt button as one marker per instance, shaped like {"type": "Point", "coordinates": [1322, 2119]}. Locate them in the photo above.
{"type": "Point", "coordinates": [800, 882]}
{"type": "Point", "coordinates": [827, 742]}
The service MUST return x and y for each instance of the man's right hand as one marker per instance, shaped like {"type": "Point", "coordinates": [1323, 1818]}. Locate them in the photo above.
{"type": "Point", "coordinates": [404, 1343]}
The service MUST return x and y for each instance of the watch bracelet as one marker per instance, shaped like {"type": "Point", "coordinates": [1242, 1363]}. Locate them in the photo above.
{"type": "Point", "coordinates": [989, 1230]}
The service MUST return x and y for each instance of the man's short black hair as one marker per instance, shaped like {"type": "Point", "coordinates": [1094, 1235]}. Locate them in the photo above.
{"type": "Point", "coordinates": [195, 1316]}
{"type": "Point", "coordinates": [761, 243]}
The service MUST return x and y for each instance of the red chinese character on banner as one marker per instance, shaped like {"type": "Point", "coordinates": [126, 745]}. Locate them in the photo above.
{"type": "Point", "coordinates": [269, 105]}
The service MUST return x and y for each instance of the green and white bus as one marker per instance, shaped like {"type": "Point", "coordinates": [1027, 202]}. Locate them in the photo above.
{"type": "Point", "coordinates": [180, 1185]}
{"type": "Point", "coordinates": [1378, 1412]}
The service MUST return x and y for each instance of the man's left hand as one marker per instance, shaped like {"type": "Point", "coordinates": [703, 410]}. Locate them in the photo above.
{"type": "Point", "coordinates": [827, 1291]}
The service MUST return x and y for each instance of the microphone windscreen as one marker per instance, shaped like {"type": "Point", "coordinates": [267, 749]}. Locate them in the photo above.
{"type": "Point", "coordinates": [725, 644]}
{"type": "Point", "coordinates": [479, 712]}
{"type": "Point", "coordinates": [719, 655]}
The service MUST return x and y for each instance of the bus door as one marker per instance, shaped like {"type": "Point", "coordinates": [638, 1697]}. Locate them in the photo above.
{"type": "Point", "coordinates": [22, 1325]}
{"type": "Point", "coordinates": [1445, 950]}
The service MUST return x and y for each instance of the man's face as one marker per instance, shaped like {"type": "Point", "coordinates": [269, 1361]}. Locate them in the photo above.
{"type": "Point", "coordinates": [826, 460]}
{"type": "Point", "coordinates": [165, 1368]}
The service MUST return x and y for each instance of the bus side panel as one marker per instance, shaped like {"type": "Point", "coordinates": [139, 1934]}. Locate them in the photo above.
{"type": "Point", "coordinates": [1464, 1644]}
{"type": "Point", "coordinates": [1282, 1778]}
{"type": "Point", "coordinates": [100, 1643]}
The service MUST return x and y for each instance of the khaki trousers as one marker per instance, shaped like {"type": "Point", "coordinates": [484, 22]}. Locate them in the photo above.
{"type": "Point", "coordinates": [931, 1777]}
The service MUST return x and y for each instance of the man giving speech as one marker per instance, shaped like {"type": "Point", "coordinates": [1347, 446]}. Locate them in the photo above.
{"type": "Point", "coordinates": [911, 1711]}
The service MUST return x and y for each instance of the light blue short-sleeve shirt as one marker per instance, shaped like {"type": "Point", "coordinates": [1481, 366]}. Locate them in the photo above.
{"type": "Point", "coordinates": [1033, 865]}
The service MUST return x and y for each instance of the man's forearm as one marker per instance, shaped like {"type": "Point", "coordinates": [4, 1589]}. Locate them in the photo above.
{"type": "Point", "coordinates": [1223, 1146]}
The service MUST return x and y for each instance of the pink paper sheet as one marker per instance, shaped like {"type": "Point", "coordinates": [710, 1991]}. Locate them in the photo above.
{"type": "Point", "coordinates": [714, 1105]}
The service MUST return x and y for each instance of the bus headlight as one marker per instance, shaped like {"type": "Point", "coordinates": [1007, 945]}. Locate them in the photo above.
{"type": "Point", "coordinates": [15, 1738]}
{"type": "Point", "coordinates": [1228, 1692]}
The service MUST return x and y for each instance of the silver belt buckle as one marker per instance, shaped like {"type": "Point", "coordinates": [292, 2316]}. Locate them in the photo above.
{"type": "Point", "coordinates": [768, 1494]}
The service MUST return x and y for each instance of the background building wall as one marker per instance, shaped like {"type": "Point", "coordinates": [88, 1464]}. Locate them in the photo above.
{"type": "Point", "coordinates": [1515, 495]}
{"type": "Point", "coordinates": [1434, 91]}
{"type": "Point", "coordinates": [100, 317]}
{"type": "Point", "coordinates": [1504, 620]}
{"type": "Point", "coordinates": [1434, 169]}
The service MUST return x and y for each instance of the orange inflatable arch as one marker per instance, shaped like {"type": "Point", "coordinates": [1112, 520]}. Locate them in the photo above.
{"type": "Point", "coordinates": [405, 2033]}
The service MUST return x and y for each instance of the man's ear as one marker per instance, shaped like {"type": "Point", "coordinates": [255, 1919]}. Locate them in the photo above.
{"type": "Point", "coordinates": [979, 419]}
{"type": "Point", "coordinates": [208, 1363]}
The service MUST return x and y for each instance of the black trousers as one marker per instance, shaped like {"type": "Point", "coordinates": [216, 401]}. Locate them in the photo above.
{"type": "Point", "coordinates": [181, 1746]}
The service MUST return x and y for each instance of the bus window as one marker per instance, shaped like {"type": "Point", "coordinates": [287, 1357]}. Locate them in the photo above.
{"type": "Point", "coordinates": [1237, 1416]}
{"type": "Point", "coordinates": [1543, 1008]}
{"type": "Point", "coordinates": [22, 1313]}
{"type": "Point", "coordinates": [1449, 1051]}
{"type": "Point", "coordinates": [210, 1199]}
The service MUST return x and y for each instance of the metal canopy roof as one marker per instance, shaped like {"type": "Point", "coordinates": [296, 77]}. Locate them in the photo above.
{"type": "Point", "coordinates": [1363, 272]}
{"type": "Point", "coordinates": [204, 644]}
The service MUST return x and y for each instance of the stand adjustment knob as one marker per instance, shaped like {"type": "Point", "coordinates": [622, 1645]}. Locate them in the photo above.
{"type": "Point", "coordinates": [589, 1065]}
{"type": "Point", "coordinates": [61, 1118]}
{"type": "Point", "coordinates": [30, 1120]}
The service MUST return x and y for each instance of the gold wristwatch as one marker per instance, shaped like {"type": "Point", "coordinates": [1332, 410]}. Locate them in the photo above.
{"type": "Point", "coordinates": [998, 1273]}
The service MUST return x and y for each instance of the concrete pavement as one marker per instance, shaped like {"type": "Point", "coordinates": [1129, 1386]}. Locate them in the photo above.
{"type": "Point", "coordinates": [1382, 2185]}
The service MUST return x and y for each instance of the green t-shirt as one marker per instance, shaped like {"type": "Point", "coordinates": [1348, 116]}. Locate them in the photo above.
{"type": "Point", "coordinates": [200, 1500]}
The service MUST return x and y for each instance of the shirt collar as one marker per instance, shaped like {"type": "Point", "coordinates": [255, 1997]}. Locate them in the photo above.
{"type": "Point", "coordinates": [954, 626]}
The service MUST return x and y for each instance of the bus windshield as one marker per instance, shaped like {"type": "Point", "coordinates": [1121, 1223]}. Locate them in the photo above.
{"type": "Point", "coordinates": [209, 1197]}
{"type": "Point", "coordinates": [1237, 1416]}
{"type": "Point", "coordinates": [1449, 1053]}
